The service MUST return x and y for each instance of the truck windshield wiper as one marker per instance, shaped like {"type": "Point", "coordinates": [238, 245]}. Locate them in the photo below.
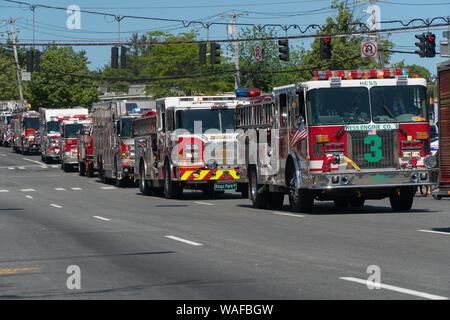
{"type": "Point", "coordinates": [341, 131]}
{"type": "Point", "coordinates": [389, 112]}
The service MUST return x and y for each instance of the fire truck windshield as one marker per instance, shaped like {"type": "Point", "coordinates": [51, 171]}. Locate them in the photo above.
{"type": "Point", "coordinates": [8, 119]}
{"type": "Point", "coordinates": [126, 127]}
{"type": "Point", "coordinates": [31, 123]}
{"type": "Point", "coordinates": [70, 130]}
{"type": "Point", "coordinates": [336, 106]}
{"type": "Point", "coordinates": [53, 126]}
{"type": "Point", "coordinates": [219, 119]}
{"type": "Point", "coordinates": [399, 103]}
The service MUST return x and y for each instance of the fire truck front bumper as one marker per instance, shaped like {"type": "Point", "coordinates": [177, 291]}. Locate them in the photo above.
{"type": "Point", "coordinates": [54, 154]}
{"type": "Point", "coordinates": [369, 178]}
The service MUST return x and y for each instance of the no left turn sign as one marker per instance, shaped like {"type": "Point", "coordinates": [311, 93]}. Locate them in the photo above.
{"type": "Point", "coordinates": [368, 49]}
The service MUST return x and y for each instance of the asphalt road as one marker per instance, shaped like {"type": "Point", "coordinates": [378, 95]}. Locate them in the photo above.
{"type": "Point", "coordinates": [130, 246]}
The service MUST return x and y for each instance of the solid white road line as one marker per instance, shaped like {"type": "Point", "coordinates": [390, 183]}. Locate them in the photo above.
{"type": "Point", "coordinates": [184, 241]}
{"type": "Point", "coordinates": [397, 289]}
{"type": "Point", "coordinates": [60, 189]}
{"type": "Point", "coordinates": [55, 205]}
{"type": "Point", "coordinates": [204, 203]}
{"type": "Point", "coordinates": [27, 190]}
{"type": "Point", "coordinates": [101, 218]}
{"type": "Point", "coordinates": [438, 232]}
{"type": "Point", "coordinates": [288, 214]}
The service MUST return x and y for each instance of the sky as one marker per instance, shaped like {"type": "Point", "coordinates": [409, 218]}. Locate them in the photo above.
{"type": "Point", "coordinates": [51, 24]}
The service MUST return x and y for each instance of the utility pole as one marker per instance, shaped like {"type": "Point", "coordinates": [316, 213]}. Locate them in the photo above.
{"type": "Point", "coordinates": [16, 58]}
{"type": "Point", "coordinates": [237, 79]}
{"type": "Point", "coordinates": [376, 26]}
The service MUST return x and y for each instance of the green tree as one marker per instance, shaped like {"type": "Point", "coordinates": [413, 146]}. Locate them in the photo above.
{"type": "Point", "coordinates": [64, 80]}
{"type": "Point", "coordinates": [345, 54]}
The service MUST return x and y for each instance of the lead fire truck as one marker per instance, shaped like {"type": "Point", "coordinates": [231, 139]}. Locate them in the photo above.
{"type": "Point", "coordinates": [50, 132]}
{"type": "Point", "coordinates": [113, 145]}
{"type": "Point", "coordinates": [69, 128]}
{"type": "Point", "coordinates": [26, 136]}
{"type": "Point", "coordinates": [345, 136]}
{"type": "Point", "coordinates": [189, 143]}
{"type": "Point", "coordinates": [443, 70]}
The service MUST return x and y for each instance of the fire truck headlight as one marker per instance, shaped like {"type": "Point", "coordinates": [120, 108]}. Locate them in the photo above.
{"type": "Point", "coordinates": [415, 154]}
{"type": "Point", "coordinates": [430, 161]}
{"type": "Point", "coordinates": [414, 178]}
{"type": "Point", "coordinates": [406, 154]}
{"type": "Point", "coordinates": [423, 176]}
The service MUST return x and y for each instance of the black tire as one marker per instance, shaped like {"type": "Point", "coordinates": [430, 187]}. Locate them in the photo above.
{"type": "Point", "coordinates": [90, 170]}
{"type": "Point", "coordinates": [276, 200]}
{"type": "Point", "coordinates": [66, 167]}
{"type": "Point", "coordinates": [402, 201]}
{"type": "Point", "coordinates": [82, 169]}
{"type": "Point", "coordinates": [437, 197]}
{"type": "Point", "coordinates": [258, 198]}
{"type": "Point", "coordinates": [300, 200]}
{"type": "Point", "coordinates": [172, 189]}
{"type": "Point", "coordinates": [144, 186]}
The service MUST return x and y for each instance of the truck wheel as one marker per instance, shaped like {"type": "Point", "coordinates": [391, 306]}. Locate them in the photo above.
{"type": "Point", "coordinates": [402, 201]}
{"type": "Point", "coordinates": [144, 186]}
{"type": "Point", "coordinates": [301, 200]}
{"type": "Point", "coordinates": [90, 169]}
{"type": "Point", "coordinates": [82, 169]}
{"type": "Point", "coordinates": [276, 200]}
{"type": "Point", "coordinates": [259, 199]}
{"type": "Point", "coordinates": [172, 190]}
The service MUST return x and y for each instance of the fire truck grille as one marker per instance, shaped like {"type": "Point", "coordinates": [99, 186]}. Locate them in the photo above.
{"type": "Point", "coordinates": [382, 155]}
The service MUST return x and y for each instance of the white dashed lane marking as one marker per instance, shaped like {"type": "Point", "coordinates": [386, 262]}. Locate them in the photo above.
{"type": "Point", "coordinates": [396, 289]}
{"type": "Point", "coordinates": [55, 205]}
{"type": "Point", "coordinates": [192, 243]}
{"type": "Point", "coordinates": [437, 232]}
{"type": "Point", "coordinates": [27, 190]}
{"type": "Point", "coordinates": [101, 218]}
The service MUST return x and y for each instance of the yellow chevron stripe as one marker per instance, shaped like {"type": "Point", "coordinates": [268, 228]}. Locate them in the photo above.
{"type": "Point", "coordinates": [186, 175]}
{"type": "Point", "coordinates": [218, 175]}
{"type": "Point", "coordinates": [203, 174]}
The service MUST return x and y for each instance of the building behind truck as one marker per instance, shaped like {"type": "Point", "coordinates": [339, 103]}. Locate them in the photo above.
{"type": "Point", "coordinates": [113, 146]}
{"type": "Point", "coordinates": [443, 76]}
{"type": "Point", "coordinates": [346, 136]}
{"type": "Point", "coordinates": [50, 120]}
{"type": "Point", "coordinates": [189, 143]}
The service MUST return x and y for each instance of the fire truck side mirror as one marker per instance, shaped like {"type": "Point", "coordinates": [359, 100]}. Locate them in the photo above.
{"type": "Point", "coordinates": [431, 103]}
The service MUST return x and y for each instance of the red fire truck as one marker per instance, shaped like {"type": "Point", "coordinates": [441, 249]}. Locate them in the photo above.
{"type": "Point", "coordinates": [68, 142]}
{"type": "Point", "coordinates": [85, 151]}
{"type": "Point", "coordinates": [26, 138]}
{"type": "Point", "coordinates": [444, 130]}
{"type": "Point", "coordinates": [345, 136]}
{"type": "Point", "coordinates": [189, 143]}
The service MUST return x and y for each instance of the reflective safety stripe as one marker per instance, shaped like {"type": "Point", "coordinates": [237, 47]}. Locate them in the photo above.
{"type": "Point", "coordinates": [229, 174]}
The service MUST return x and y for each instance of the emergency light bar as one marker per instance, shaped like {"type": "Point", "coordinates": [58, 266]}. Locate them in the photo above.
{"type": "Point", "coordinates": [361, 74]}
{"type": "Point", "coordinates": [248, 92]}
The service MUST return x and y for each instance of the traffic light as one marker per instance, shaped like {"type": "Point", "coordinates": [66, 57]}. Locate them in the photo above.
{"type": "Point", "coordinates": [123, 57]}
{"type": "Point", "coordinates": [430, 45]}
{"type": "Point", "coordinates": [202, 53]}
{"type": "Point", "coordinates": [30, 60]}
{"type": "Point", "coordinates": [215, 53]}
{"type": "Point", "coordinates": [325, 48]}
{"type": "Point", "coordinates": [115, 57]}
{"type": "Point", "coordinates": [283, 49]}
{"type": "Point", "coordinates": [37, 61]}
{"type": "Point", "coordinates": [422, 52]}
